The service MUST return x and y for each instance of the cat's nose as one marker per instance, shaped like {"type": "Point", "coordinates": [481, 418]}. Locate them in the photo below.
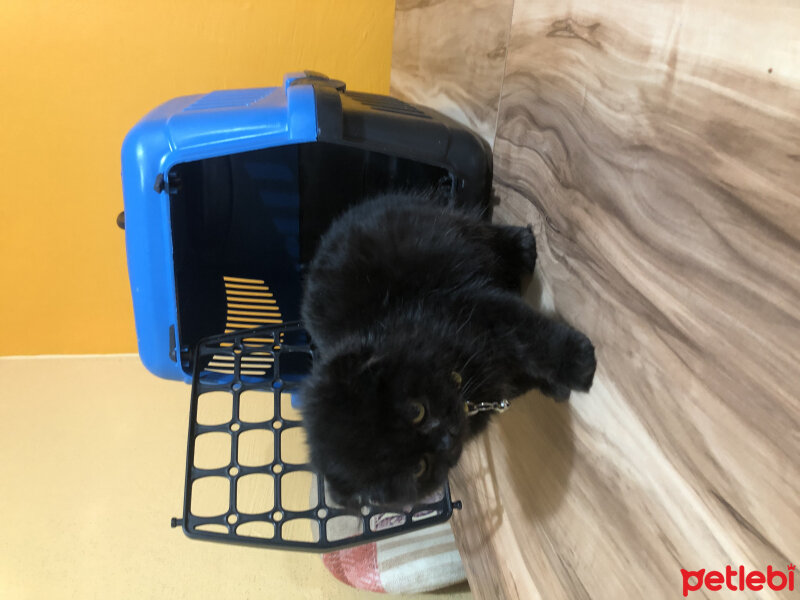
{"type": "Point", "coordinates": [445, 442]}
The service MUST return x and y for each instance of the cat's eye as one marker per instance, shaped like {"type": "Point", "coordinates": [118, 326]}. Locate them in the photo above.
{"type": "Point", "coordinates": [419, 413]}
{"type": "Point", "coordinates": [457, 379]}
{"type": "Point", "coordinates": [422, 466]}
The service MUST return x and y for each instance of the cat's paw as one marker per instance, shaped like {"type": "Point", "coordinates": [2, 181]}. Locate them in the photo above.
{"type": "Point", "coordinates": [527, 246]}
{"type": "Point", "coordinates": [559, 393]}
{"type": "Point", "coordinates": [578, 363]}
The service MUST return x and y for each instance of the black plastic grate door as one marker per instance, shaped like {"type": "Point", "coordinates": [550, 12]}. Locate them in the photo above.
{"type": "Point", "coordinates": [247, 476]}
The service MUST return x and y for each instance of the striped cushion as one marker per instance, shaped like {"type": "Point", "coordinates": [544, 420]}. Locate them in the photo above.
{"type": "Point", "coordinates": [419, 561]}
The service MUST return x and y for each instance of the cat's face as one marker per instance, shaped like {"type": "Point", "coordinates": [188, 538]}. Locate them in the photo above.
{"type": "Point", "coordinates": [381, 429]}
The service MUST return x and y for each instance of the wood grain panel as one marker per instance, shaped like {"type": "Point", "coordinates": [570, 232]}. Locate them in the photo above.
{"type": "Point", "coordinates": [655, 146]}
{"type": "Point", "coordinates": [449, 55]}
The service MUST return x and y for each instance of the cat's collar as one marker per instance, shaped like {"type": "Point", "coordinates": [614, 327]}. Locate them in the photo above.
{"type": "Point", "coordinates": [473, 408]}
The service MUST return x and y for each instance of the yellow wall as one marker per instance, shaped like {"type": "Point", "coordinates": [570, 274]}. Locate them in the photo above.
{"type": "Point", "coordinates": [75, 75]}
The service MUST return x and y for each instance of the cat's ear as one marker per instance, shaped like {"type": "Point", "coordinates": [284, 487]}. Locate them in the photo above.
{"type": "Point", "coordinates": [355, 363]}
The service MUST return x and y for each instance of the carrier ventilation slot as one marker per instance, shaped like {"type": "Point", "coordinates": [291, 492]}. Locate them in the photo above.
{"type": "Point", "coordinates": [250, 304]}
{"type": "Point", "coordinates": [387, 104]}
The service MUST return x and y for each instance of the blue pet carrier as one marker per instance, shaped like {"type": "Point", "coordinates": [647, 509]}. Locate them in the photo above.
{"type": "Point", "coordinates": [226, 196]}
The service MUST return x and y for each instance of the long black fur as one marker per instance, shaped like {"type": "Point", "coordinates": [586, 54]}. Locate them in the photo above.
{"type": "Point", "coordinates": [402, 293]}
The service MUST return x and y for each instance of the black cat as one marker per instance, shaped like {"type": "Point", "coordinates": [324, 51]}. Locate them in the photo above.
{"type": "Point", "coordinates": [416, 314]}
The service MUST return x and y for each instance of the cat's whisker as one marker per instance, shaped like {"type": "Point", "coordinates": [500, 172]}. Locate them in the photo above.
{"type": "Point", "coordinates": [468, 319]}
{"type": "Point", "coordinates": [469, 360]}
{"type": "Point", "coordinates": [471, 383]}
